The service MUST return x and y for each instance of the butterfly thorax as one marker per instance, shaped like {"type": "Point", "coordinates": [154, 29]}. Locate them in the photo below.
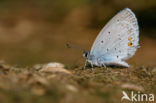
{"type": "Point", "coordinates": [90, 58]}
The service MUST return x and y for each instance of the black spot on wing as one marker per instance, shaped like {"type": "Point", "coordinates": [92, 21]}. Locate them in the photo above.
{"type": "Point", "coordinates": [102, 41]}
{"type": "Point", "coordinates": [128, 54]}
{"type": "Point", "coordinates": [107, 49]}
{"type": "Point", "coordinates": [131, 43]}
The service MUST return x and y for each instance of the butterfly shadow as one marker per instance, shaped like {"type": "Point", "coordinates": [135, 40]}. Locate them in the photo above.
{"type": "Point", "coordinates": [88, 66]}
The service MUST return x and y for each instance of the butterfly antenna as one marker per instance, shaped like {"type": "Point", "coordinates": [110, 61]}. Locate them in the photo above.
{"type": "Point", "coordinates": [74, 46]}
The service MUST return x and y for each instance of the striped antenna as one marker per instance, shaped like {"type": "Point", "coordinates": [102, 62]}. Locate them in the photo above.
{"type": "Point", "coordinates": [74, 46]}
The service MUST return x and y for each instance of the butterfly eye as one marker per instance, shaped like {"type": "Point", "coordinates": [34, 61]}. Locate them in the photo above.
{"type": "Point", "coordinates": [86, 54]}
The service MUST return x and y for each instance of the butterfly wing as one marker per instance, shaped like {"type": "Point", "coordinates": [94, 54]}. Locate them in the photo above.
{"type": "Point", "coordinates": [118, 40]}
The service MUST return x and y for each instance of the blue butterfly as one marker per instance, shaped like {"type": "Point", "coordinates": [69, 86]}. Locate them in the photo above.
{"type": "Point", "coordinates": [116, 42]}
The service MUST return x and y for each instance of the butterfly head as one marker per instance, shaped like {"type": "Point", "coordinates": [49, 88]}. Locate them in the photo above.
{"type": "Point", "coordinates": [86, 54]}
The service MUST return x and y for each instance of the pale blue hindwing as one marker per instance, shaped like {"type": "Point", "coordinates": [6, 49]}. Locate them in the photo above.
{"type": "Point", "coordinates": [106, 58]}
{"type": "Point", "coordinates": [112, 42]}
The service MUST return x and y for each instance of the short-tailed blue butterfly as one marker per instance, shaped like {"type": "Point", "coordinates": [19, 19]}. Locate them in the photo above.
{"type": "Point", "coordinates": [116, 42]}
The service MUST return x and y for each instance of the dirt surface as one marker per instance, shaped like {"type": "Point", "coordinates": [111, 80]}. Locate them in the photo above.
{"type": "Point", "coordinates": [31, 85]}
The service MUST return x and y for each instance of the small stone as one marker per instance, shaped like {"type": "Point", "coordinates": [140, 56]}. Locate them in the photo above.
{"type": "Point", "coordinates": [51, 76]}
{"type": "Point", "coordinates": [38, 66]}
{"type": "Point", "coordinates": [38, 91]}
{"type": "Point", "coordinates": [154, 70]}
{"type": "Point", "coordinates": [41, 80]}
{"type": "Point", "coordinates": [4, 66]}
{"type": "Point", "coordinates": [132, 87]}
{"type": "Point", "coordinates": [54, 67]}
{"type": "Point", "coordinates": [71, 88]}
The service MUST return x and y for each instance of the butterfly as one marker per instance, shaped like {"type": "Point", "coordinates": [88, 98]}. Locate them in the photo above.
{"type": "Point", "coordinates": [117, 41]}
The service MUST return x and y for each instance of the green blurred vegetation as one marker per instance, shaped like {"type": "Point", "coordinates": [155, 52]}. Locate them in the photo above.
{"type": "Point", "coordinates": [35, 31]}
{"type": "Point", "coordinates": [57, 9]}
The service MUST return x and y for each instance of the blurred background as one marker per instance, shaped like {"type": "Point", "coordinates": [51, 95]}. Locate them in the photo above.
{"type": "Point", "coordinates": [36, 31]}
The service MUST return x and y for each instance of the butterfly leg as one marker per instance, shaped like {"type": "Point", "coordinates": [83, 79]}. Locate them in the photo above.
{"type": "Point", "coordinates": [85, 65]}
{"type": "Point", "coordinates": [103, 64]}
{"type": "Point", "coordinates": [91, 65]}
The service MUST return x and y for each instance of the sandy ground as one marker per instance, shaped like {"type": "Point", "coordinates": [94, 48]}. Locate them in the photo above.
{"type": "Point", "coordinates": [58, 85]}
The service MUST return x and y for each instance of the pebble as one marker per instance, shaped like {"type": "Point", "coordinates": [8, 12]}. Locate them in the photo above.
{"type": "Point", "coordinates": [54, 67]}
